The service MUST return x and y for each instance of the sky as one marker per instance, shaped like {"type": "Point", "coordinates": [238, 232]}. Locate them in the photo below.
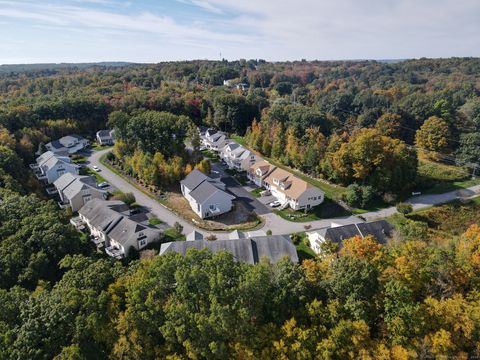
{"type": "Point", "coordinates": [150, 31]}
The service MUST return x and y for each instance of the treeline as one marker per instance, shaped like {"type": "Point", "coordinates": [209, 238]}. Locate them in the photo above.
{"type": "Point", "coordinates": [406, 300]}
{"type": "Point", "coordinates": [151, 146]}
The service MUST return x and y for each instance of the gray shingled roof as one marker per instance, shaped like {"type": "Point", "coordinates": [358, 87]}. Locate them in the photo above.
{"type": "Point", "coordinates": [194, 235]}
{"type": "Point", "coordinates": [245, 250]}
{"type": "Point", "coordinates": [203, 192]}
{"type": "Point", "coordinates": [112, 217]}
{"type": "Point", "coordinates": [195, 178]}
{"type": "Point", "coordinates": [104, 133]}
{"type": "Point", "coordinates": [381, 230]}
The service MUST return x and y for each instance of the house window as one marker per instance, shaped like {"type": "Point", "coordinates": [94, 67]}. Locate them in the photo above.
{"type": "Point", "coordinates": [86, 199]}
{"type": "Point", "coordinates": [213, 206]}
{"type": "Point", "coordinates": [142, 243]}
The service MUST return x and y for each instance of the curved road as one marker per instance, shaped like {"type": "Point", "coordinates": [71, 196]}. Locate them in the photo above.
{"type": "Point", "coordinates": [273, 222]}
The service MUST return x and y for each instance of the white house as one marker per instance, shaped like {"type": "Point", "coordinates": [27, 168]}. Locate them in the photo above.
{"type": "Point", "coordinates": [381, 230]}
{"type": "Point", "coordinates": [214, 140]}
{"type": "Point", "coordinates": [105, 137]}
{"type": "Point", "coordinates": [207, 197]}
{"type": "Point", "coordinates": [49, 167]}
{"type": "Point", "coordinates": [237, 157]}
{"type": "Point", "coordinates": [285, 187]}
{"type": "Point", "coordinates": [76, 190]}
{"type": "Point", "coordinates": [69, 144]}
{"type": "Point", "coordinates": [112, 227]}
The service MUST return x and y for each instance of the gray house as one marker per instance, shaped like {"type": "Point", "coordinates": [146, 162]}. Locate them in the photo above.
{"type": "Point", "coordinates": [113, 227]}
{"type": "Point", "coordinates": [50, 166]}
{"type": "Point", "coordinates": [69, 144]}
{"type": "Point", "coordinates": [105, 137]}
{"type": "Point", "coordinates": [381, 230]}
{"type": "Point", "coordinates": [207, 196]}
{"type": "Point", "coordinates": [250, 250]}
{"type": "Point", "coordinates": [76, 190]}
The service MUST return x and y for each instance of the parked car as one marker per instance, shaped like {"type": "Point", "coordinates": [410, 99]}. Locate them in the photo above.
{"type": "Point", "coordinates": [96, 168]}
{"type": "Point", "coordinates": [103, 185]}
{"type": "Point", "coordinates": [275, 204]}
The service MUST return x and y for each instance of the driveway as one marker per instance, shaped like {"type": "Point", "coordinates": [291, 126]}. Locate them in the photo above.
{"type": "Point", "coordinates": [250, 201]}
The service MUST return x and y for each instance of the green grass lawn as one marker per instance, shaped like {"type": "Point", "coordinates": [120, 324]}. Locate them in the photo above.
{"type": "Point", "coordinates": [210, 155]}
{"type": "Point", "coordinates": [87, 171]}
{"type": "Point", "coordinates": [154, 221]}
{"type": "Point", "coordinates": [256, 192]}
{"type": "Point", "coordinates": [173, 235]}
{"type": "Point", "coordinates": [327, 209]}
{"type": "Point", "coordinates": [304, 252]}
{"type": "Point", "coordinates": [239, 139]}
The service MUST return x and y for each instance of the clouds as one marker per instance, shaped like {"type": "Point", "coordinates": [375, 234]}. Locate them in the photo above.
{"type": "Point", "coordinates": [282, 29]}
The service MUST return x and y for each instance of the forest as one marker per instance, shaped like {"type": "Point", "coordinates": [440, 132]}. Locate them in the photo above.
{"type": "Point", "coordinates": [368, 126]}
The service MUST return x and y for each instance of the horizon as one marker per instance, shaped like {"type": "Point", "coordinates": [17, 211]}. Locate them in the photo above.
{"type": "Point", "coordinates": [92, 31]}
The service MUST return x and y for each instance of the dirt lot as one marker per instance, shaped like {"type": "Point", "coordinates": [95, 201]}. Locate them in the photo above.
{"type": "Point", "coordinates": [240, 218]}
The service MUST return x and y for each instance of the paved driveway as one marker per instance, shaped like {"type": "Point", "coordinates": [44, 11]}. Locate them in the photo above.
{"type": "Point", "coordinates": [250, 201]}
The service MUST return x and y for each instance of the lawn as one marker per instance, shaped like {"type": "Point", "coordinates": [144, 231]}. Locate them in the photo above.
{"type": "Point", "coordinates": [87, 171]}
{"type": "Point", "coordinates": [304, 252]}
{"type": "Point", "coordinates": [327, 209]}
{"type": "Point", "coordinates": [154, 221]}
{"type": "Point", "coordinates": [210, 155]}
{"type": "Point", "coordinates": [256, 192]}
{"type": "Point", "coordinates": [239, 139]}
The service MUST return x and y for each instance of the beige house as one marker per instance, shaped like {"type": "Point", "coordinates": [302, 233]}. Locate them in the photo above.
{"type": "Point", "coordinates": [76, 190]}
{"type": "Point", "coordinates": [237, 157]}
{"type": "Point", "coordinates": [285, 187]}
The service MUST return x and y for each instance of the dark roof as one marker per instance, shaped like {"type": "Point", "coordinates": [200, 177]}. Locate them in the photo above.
{"type": "Point", "coordinates": [113, 218]}
{"type": "Point", "coordinates": [245, 250]}
{"type": "Point", "coordinates": [104, 133]}
{"type": "Point", "coordinates": [381, 230]}
{"type": "Point", "coordinates": [195, 178]}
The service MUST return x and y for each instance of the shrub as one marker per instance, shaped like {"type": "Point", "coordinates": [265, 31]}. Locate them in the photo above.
{"type": "Point", "coordinates": [404, 208]}
{"type": "Point", "coordinates": [127, 198]}
{"type": "Point", "coordinates": [269, 232]}
{"type": "Point", "coordinates": [296, 238]}
{"type": "Point", "coordinates": [178, 227]}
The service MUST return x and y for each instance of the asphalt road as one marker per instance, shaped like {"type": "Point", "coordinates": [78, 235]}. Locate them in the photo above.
{"type": "Point", "coordinates": [273, 222]}
{"type": "Point", "coordinates": [150, 204]}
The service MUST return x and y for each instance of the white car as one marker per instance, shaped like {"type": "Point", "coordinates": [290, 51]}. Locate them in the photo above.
{"type": "Point", "coordinates": [103, 185]}
{"type": "Point", "coordinates": [96, 168]}
{"type": "Point", "coordinates": [275, 204]}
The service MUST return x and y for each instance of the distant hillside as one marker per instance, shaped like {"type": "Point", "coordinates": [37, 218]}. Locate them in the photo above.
{"type": "Point", "coordinates": [8, 68]}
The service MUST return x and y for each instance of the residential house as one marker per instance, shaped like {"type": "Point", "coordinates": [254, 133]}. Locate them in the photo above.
{"type": "Point", "coordinates": [112, 226]}
{"type": "Point", "coordinates": [237, 157]}
{"type": "Point", "coordinates": [381, 230]}
{"type": "Point", "coordinates": [50, 166]}
{"type": "Point", "coordinates": [259, 171]}
{"type": "Point", "coordinates": [76, 190]}
{"type": "Point", "coordinates": [214, 140]}
{"type": "Point", "coordinates": [250, 250]}
{"type": "Point", "coordinates": [207, 197]}
{"type": "Point", "coordinates": [105, 137]}
{"type": "Point", "coordinates": [285, 187]}
{"type": "Point", "coordinates": [69, 144]}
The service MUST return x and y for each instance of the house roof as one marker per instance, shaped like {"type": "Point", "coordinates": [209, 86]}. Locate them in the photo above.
{"type": "Point", "coordinates": [263, 165]}
{"type": "Point", "coordinates": [249, 250]}
{"type": "Point", "coordinates": [380, 229]}
{"type": "Point", "coordinates": [78, 184]}
{"type": "Point", "coordinates": [112, 217]}
{"type": "Point", "coordinates": [65, 141]}
{"type": "Point", "coordinates": [194, 235]}
{"type": "Point", "coordinates": [54, 160]}
{"type": "Point", "coordinates": [206, 190]}
{"type": "Point", "coordinates": [193, 179]}
{"type": "Point", "coordinates": [104, 133]}
{"type": "Point", "coordinates": [235, 234]}
{"type": "Point", "coordinates": [294, 185]}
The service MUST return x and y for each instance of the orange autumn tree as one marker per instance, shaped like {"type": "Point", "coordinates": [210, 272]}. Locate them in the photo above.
{"type": "Point", "coordinates": [366, 248]}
